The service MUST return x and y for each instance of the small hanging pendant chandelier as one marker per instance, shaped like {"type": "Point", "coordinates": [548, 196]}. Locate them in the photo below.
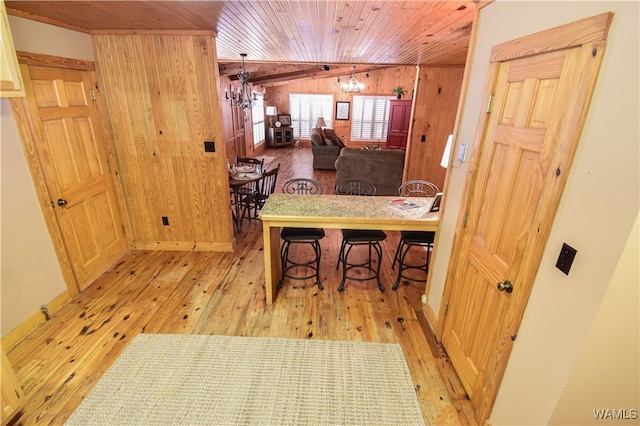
{"type": "Point", "coordinates": [353, 85]}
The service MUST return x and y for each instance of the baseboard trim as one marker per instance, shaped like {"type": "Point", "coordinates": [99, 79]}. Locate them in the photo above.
{"type": "Point", "coordinates": [432, 319]}
{"type": "Point", "coordinates": [34, 321]}
{"type": "Point", "coordinates": [429, 324]}
{"type": "Point", "coordinates": [184, 246]}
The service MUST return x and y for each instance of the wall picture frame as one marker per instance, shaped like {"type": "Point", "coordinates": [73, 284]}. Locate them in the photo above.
{"type": "Point", "coordinates": [342, 110]}
{"type": "Point", "coordinates": [284, 119]}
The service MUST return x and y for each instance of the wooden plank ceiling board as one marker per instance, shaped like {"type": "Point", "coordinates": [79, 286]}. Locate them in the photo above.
{"type": "Point", "coordinates": [303, 34]}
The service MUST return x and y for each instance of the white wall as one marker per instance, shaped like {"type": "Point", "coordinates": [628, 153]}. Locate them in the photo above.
{"type": "Point", "coordinates": [606, 373]}
{"type": "Point", "coordinates": [595, 216]}
{"type": "Point", "coordinates": [30, 273]}
{"type": "Point", "coordinates": [36, 37]}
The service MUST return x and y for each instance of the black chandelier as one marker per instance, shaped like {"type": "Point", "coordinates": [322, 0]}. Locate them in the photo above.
{"type": "Point", "coordinates": [243, 97]}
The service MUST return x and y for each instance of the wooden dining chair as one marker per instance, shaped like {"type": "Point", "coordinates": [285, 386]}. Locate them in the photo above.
{"type": "Point", "coordinates": [359, 237]}
{"type": "Point", "coordinates": [257, 166]}
{"type": "Point", "coordinates": [409, 239]}
{"type": "Point", "coordinates": [252, 203]}
{"type": "Point", "coordinates": [239, 192]}
{"type": "Point", "coordinates": [294, 236]}
{"type": "Point", "coordinates": [257, 163]}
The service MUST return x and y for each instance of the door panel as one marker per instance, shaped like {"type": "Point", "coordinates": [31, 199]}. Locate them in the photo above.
{"type": "Point", "coordinates": [399, 122]}
{"type": "Point", "coordinates": [522, 161]}
{"type": "Point", "coordinates": [504, 201]}
{"type": "Point", "coordinates": [73, 153]}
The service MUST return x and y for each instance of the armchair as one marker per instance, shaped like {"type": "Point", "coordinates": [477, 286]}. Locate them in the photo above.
{"type": "Point", "coordinates": [325, 146]}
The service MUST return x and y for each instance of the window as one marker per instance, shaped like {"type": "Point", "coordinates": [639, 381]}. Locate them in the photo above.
{"type": "Point", "coordinates": [258, 119]}
{"type": "Point", "coordinates": [305, 110]}
{"type": "Point", "coordinates": [370, 117]}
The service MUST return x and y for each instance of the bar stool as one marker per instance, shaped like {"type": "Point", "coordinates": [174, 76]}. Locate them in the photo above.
{"type": "Point", "coordinates": [292, 236]}
{"type": "Point", "coordinates": [358, 237]}
{"type": "Point", "coordinates": [409, 239]}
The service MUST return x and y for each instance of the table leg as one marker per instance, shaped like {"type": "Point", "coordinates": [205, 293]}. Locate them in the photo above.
{"type": "Point", "coordinates": [237, 214]}
{"type": "Point", "coordinates": [272, 263]}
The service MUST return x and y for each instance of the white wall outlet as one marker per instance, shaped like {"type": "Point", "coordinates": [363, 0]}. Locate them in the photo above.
{"type": "Point", "coordinates": [462, 153]}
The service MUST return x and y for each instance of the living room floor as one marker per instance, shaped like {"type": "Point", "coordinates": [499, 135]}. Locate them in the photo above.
{"type": "Point", "coordinates": [223, 293]}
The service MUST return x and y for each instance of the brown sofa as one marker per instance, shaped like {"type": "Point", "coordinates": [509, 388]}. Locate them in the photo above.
{"type": "Point", "coordinates": [382, 167]}
{"type": "Point", "coordinates": [325, 146]}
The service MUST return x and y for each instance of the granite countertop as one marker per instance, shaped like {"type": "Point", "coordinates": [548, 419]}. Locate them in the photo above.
{"type": "Point", "coordinates": [345, 206]}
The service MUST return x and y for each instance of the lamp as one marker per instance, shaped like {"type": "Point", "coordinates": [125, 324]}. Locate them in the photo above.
{"type": "Point", "coordinates": [271, 111]}
{"type": "Point", "coordinates": [353, 85]}
{"type": "Point", "coordinates": [243, 98]}
{"type": "Point", "coordinates": [447, 152]}
{"type": "Point", "coordinates": [320, 123]}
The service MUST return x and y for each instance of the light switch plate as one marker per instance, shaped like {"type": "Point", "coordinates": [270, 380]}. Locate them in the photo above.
{"type": "Point", "coordinates": [462, 153]}
{"type": "Point", "coordinates": [565, 259]}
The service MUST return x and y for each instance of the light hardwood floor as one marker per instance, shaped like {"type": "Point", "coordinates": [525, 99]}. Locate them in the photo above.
{"type": "Point", "coordinates": [223, 293]}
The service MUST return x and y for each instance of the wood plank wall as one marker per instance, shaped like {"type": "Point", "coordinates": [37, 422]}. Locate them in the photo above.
{"type": "Point", "coordinates": [228, 131]}
{"type": "Point", "coordinates": [434, 115]}
{"type": "Point", "coordinates": [238, 124]}
{"type": "Point", "coordinates": [379, 83]}
{"type": "Point", "coordinates": [162, 103]}
{"type": "Point", "coordinates": [436, 102]}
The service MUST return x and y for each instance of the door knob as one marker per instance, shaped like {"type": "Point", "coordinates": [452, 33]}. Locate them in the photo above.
{"type": "Point", "coordinates": [62, 202]}
{"type": "Point", "coordinates": [505, 286]}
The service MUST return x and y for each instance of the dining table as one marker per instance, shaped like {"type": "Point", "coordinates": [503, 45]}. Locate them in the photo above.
{"type": "Point", "coordinates": [330, 211]}
{"type": "Point", "coordinates": [240, 178]}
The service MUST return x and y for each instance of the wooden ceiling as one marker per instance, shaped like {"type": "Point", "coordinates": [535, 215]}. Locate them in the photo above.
{"type": "Point", "coordinates": [286, 39]}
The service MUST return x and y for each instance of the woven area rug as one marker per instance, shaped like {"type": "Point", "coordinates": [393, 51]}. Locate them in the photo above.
{"type": "Point", "coordinates": [221, 380]}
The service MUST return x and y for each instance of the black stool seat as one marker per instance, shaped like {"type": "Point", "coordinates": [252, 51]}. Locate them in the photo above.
{"type": "Point", "coordinates": [302, 234]}
{"type": "Point", "coordinates": [362, 235]}
{"type": "Point", "coordinates": [418, 237]}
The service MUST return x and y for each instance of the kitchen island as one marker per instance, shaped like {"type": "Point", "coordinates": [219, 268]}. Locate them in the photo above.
{"type": "Point", "coordinates": [337, 212]}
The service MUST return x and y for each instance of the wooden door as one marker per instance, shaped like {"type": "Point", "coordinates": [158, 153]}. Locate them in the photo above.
{"type": "Point", "coordinates": [12, 397]}
{"type": "Point", "coordinates": [10, 80]}
{"type": "Point", "coordinates": [399, 120]}
{"type": "Point", "coordinates": [73, 152]}
{"type": "Point", "coordinates": [518, 173]}
{"type": "Point", "coordinates": [239, 131]}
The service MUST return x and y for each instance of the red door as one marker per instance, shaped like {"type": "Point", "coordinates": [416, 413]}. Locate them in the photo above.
{"type": "Point", "coordinates": [399, 119]}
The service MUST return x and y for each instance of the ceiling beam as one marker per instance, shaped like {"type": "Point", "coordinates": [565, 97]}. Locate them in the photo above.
{"type": "Point", "coordinates": [266, 74]}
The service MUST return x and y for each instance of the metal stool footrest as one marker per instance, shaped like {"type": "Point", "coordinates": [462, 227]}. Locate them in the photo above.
{"type": "Point", "coordinates": [407, 241]}
{"type": "Point", "coordinates": [301, 236]}
{"type": "Point", "coordinates": [354, 238]}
